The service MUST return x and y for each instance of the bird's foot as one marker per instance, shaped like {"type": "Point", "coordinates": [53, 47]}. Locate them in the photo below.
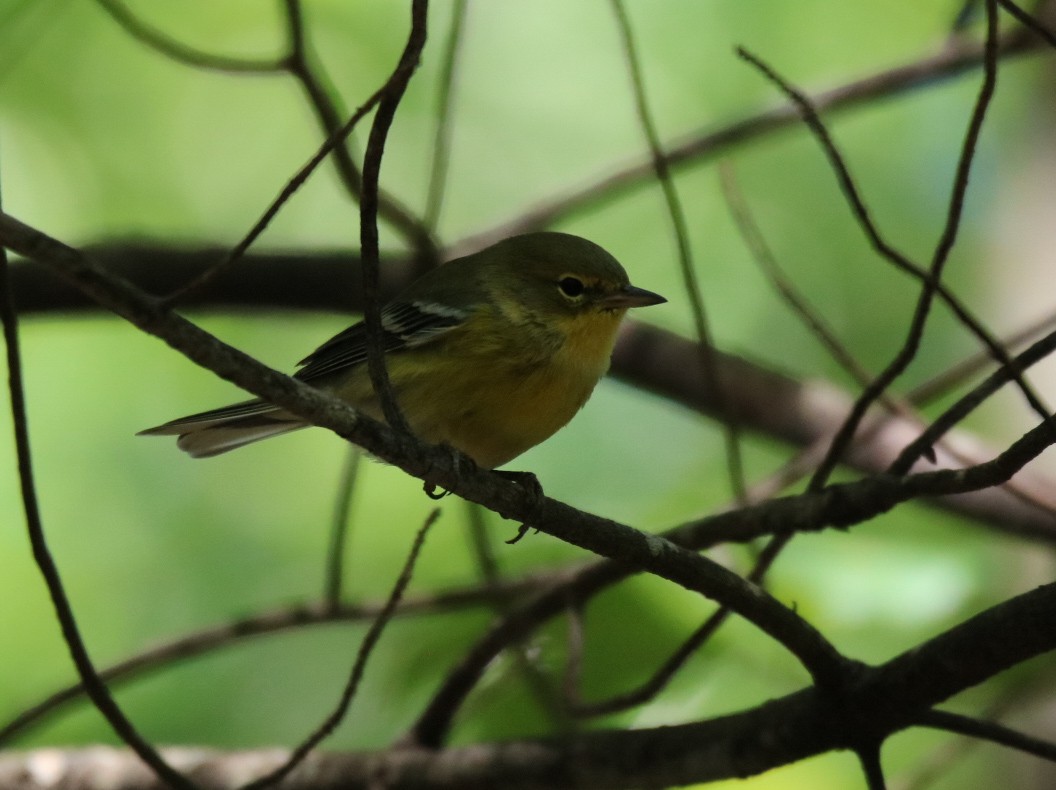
{"type": "Point", "coordinates": [531, 486]}
{"type": "Point", "coordinates": [433, 491]}
{"type": "Point", "coordinates": [459, 463]}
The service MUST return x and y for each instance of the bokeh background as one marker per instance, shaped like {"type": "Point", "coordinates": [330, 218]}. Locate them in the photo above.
{"type": "Point", "coordinates": [102, 139]}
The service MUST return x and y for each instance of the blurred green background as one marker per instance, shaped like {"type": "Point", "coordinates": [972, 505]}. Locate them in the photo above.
{"type": "Point", "coordinates": [102, 139]}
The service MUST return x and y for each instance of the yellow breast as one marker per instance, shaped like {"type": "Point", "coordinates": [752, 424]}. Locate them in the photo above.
{"type": "Point", "coordinates": [492, 403]}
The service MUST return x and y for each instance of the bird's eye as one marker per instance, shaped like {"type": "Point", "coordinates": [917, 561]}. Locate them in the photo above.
{"type": "Point", "coordinates": [572, 287]}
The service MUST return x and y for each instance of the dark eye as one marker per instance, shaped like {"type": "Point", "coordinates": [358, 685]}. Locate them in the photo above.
{"type": "Point", "coordinates": [571, 286]}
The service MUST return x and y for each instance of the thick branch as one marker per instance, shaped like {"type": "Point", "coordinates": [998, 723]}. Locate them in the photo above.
{"type": "Point", "coordinates": [837, 505]}
{"type": "Point", "coordinates": [884, 700]}
{"type": "Point", "coordinates": [436, 465]}
{"type": "Point", "coordinates": [769, 402]}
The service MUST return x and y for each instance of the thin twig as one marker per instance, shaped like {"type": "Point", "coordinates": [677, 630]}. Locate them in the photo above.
{"type": "Point", "coordinates": [1028, 21]}
{"type": "Point", "coordinates": [972, 400]}
{"type": "Point", "coordinates": [311, 75]}
{"type": "Point", "coordinates": [181, 53]}
{"type": "Point", "coordinates": [663, 675]}
{"type": "Point", "coordinates": [296, 62]}
{"type": "Point", "coordinates": [277, 621]}
{"type": "Point", "coordinates": [935, 766]}
{"type": "Point", "coordinates": [71, 634]}
{"type": "Point", "coordinates": [441, 154]}
{"type": "Point", "coordinates": [943, 382]}
{"type": "Point", "coordinates": [335, 143]}
{"type": "Point", "coordinates": [487, 563]}
{"type": "Point", "coordinates": [677, 215]}
{"type": "Point", "coordinates": [667, 671]}
{"type": "Point", "coordinates": [838, 505]}
{"type": "Point", "coordinates": [789, 410]}
{"type": "Point", "coordinates": [935, 387]}
{"type": "Point", "coordinates": [335, 555]}
{"type": "Point", "coordinates": [902, 407]}
{"type": "Point", "coordinates": [363, 655]}
{"type": "Point", "coordinates": [702, 146]}
{"type": "Point", "coordinates": [576, 646]}
{"type": "Point", "coordinates": [332, 143]}
{"type": "Point", "coordinates": [797, 301]}
{"type": "Point", "coordinates": [932, 285]}
{"type": "Point", "coordinates": [392, 93]}
{"type": "Point", "coordinates": [646, 691]}
{"type": "Point", "coordinates": [988, 731]}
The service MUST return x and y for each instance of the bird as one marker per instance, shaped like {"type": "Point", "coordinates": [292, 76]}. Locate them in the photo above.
{"type": "Point", "coordinates": [491, 353]}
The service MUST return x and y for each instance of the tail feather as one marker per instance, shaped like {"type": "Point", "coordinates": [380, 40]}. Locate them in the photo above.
{"type": "Point", "coordinates": [220, 430]}
{"type": "Point", "coordinates": [207, 442]}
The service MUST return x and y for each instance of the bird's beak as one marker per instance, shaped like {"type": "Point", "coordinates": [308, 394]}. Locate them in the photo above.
{"type": "Point", "coordinates": [630, 296]}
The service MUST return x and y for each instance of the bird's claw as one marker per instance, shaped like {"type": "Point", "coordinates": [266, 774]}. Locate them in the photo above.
{"type": "Point", "coordinates": [531, 486]}
{"type": "Point", "coordinates": [522, 530]}
{"type": "Point", "coordinates": [459, 463]}
{"type": "Point", "coordinates": [432, 489]}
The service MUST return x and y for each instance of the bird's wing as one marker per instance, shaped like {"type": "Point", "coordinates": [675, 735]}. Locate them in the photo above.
{"type": "Point", "coordinates": [403, 325]}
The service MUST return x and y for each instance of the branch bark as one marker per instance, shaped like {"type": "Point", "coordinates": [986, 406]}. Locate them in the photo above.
{"type": "Point", "coordinates": [881, 701]}
{"type": "Point", "coordinates": [767, 401]}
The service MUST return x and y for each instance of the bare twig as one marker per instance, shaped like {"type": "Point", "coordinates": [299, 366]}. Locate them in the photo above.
{"type": "Point", "coordinates": [677, 215]}
{"type": "Point", "coordinates": [71, 634]}
{"type": "Point", "coordinates": [441, 154]}
{"type": "Point", "coordinates": [938, 385]}
{"type": "Point", "coordinates": [295, 62]}
{"type": "Point", "coordinates": [181, 53]}
{"type": "Point", "coordinates": [277, 621]}
{"type": "Point", "coordinates": [838, 505]}
{"type": "Point", "coordinates": [534, 679]}
{"type": "Point", "coordinates": [797, 301]}
{"type": "Point", "coordinates": [335, 555]}
{"type": "Point", "coordinates": [333, 143]}
{"type": "Point", "coordinates": [1028, 21]}
{"type": "Point", "coordinates": [392, 93]}
{"type": "Point", "coordinates": [935, 766]}
{"type": "Point", "coordinates": [700, 147]}
{"type": "Point", "coordinates": [888, 698]}
{"type": "Point", "coordinates": [988, 731]}
{"type": "Point", "coordinates": [312, 77]}
{"type": "Point", "coordinates": [800, 412]}
{"type": "Point", "coordinates": [932, 285]}
{"type": "Point", "coordinates": [964, 406]}
{"type": "Point", "coordinates": [658, 681]}
{"type": "Point", "coordinates": [366, 649]}
{"type": "Point", "coordinates": [943, 382]}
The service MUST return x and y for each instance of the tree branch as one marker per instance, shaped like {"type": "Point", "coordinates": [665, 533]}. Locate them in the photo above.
{"type": "Point", "coordinates": [767, 401]}
{"type": "Point", "coordinates": [437, 465]}
{"type": "Point", "coordinates": [884, 700]}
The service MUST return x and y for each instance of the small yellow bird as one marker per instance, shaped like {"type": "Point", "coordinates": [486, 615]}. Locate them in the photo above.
{"type": "Point", "coordinates": [491, 353]}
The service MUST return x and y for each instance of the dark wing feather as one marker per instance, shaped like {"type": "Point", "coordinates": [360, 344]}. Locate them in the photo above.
{"type": "Point", "coordinates": [404, 325]}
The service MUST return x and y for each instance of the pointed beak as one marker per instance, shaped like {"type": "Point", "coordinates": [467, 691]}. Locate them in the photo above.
{"type": "Point", "coordinates": [631, 296]}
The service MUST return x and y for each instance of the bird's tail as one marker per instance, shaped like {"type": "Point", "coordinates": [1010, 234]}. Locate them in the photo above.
{"type": "Point", "coordinates": [213, 432]}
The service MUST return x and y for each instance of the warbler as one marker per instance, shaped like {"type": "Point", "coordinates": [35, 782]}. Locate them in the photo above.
{"type": "Point", "coordinates": [491, 353]}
